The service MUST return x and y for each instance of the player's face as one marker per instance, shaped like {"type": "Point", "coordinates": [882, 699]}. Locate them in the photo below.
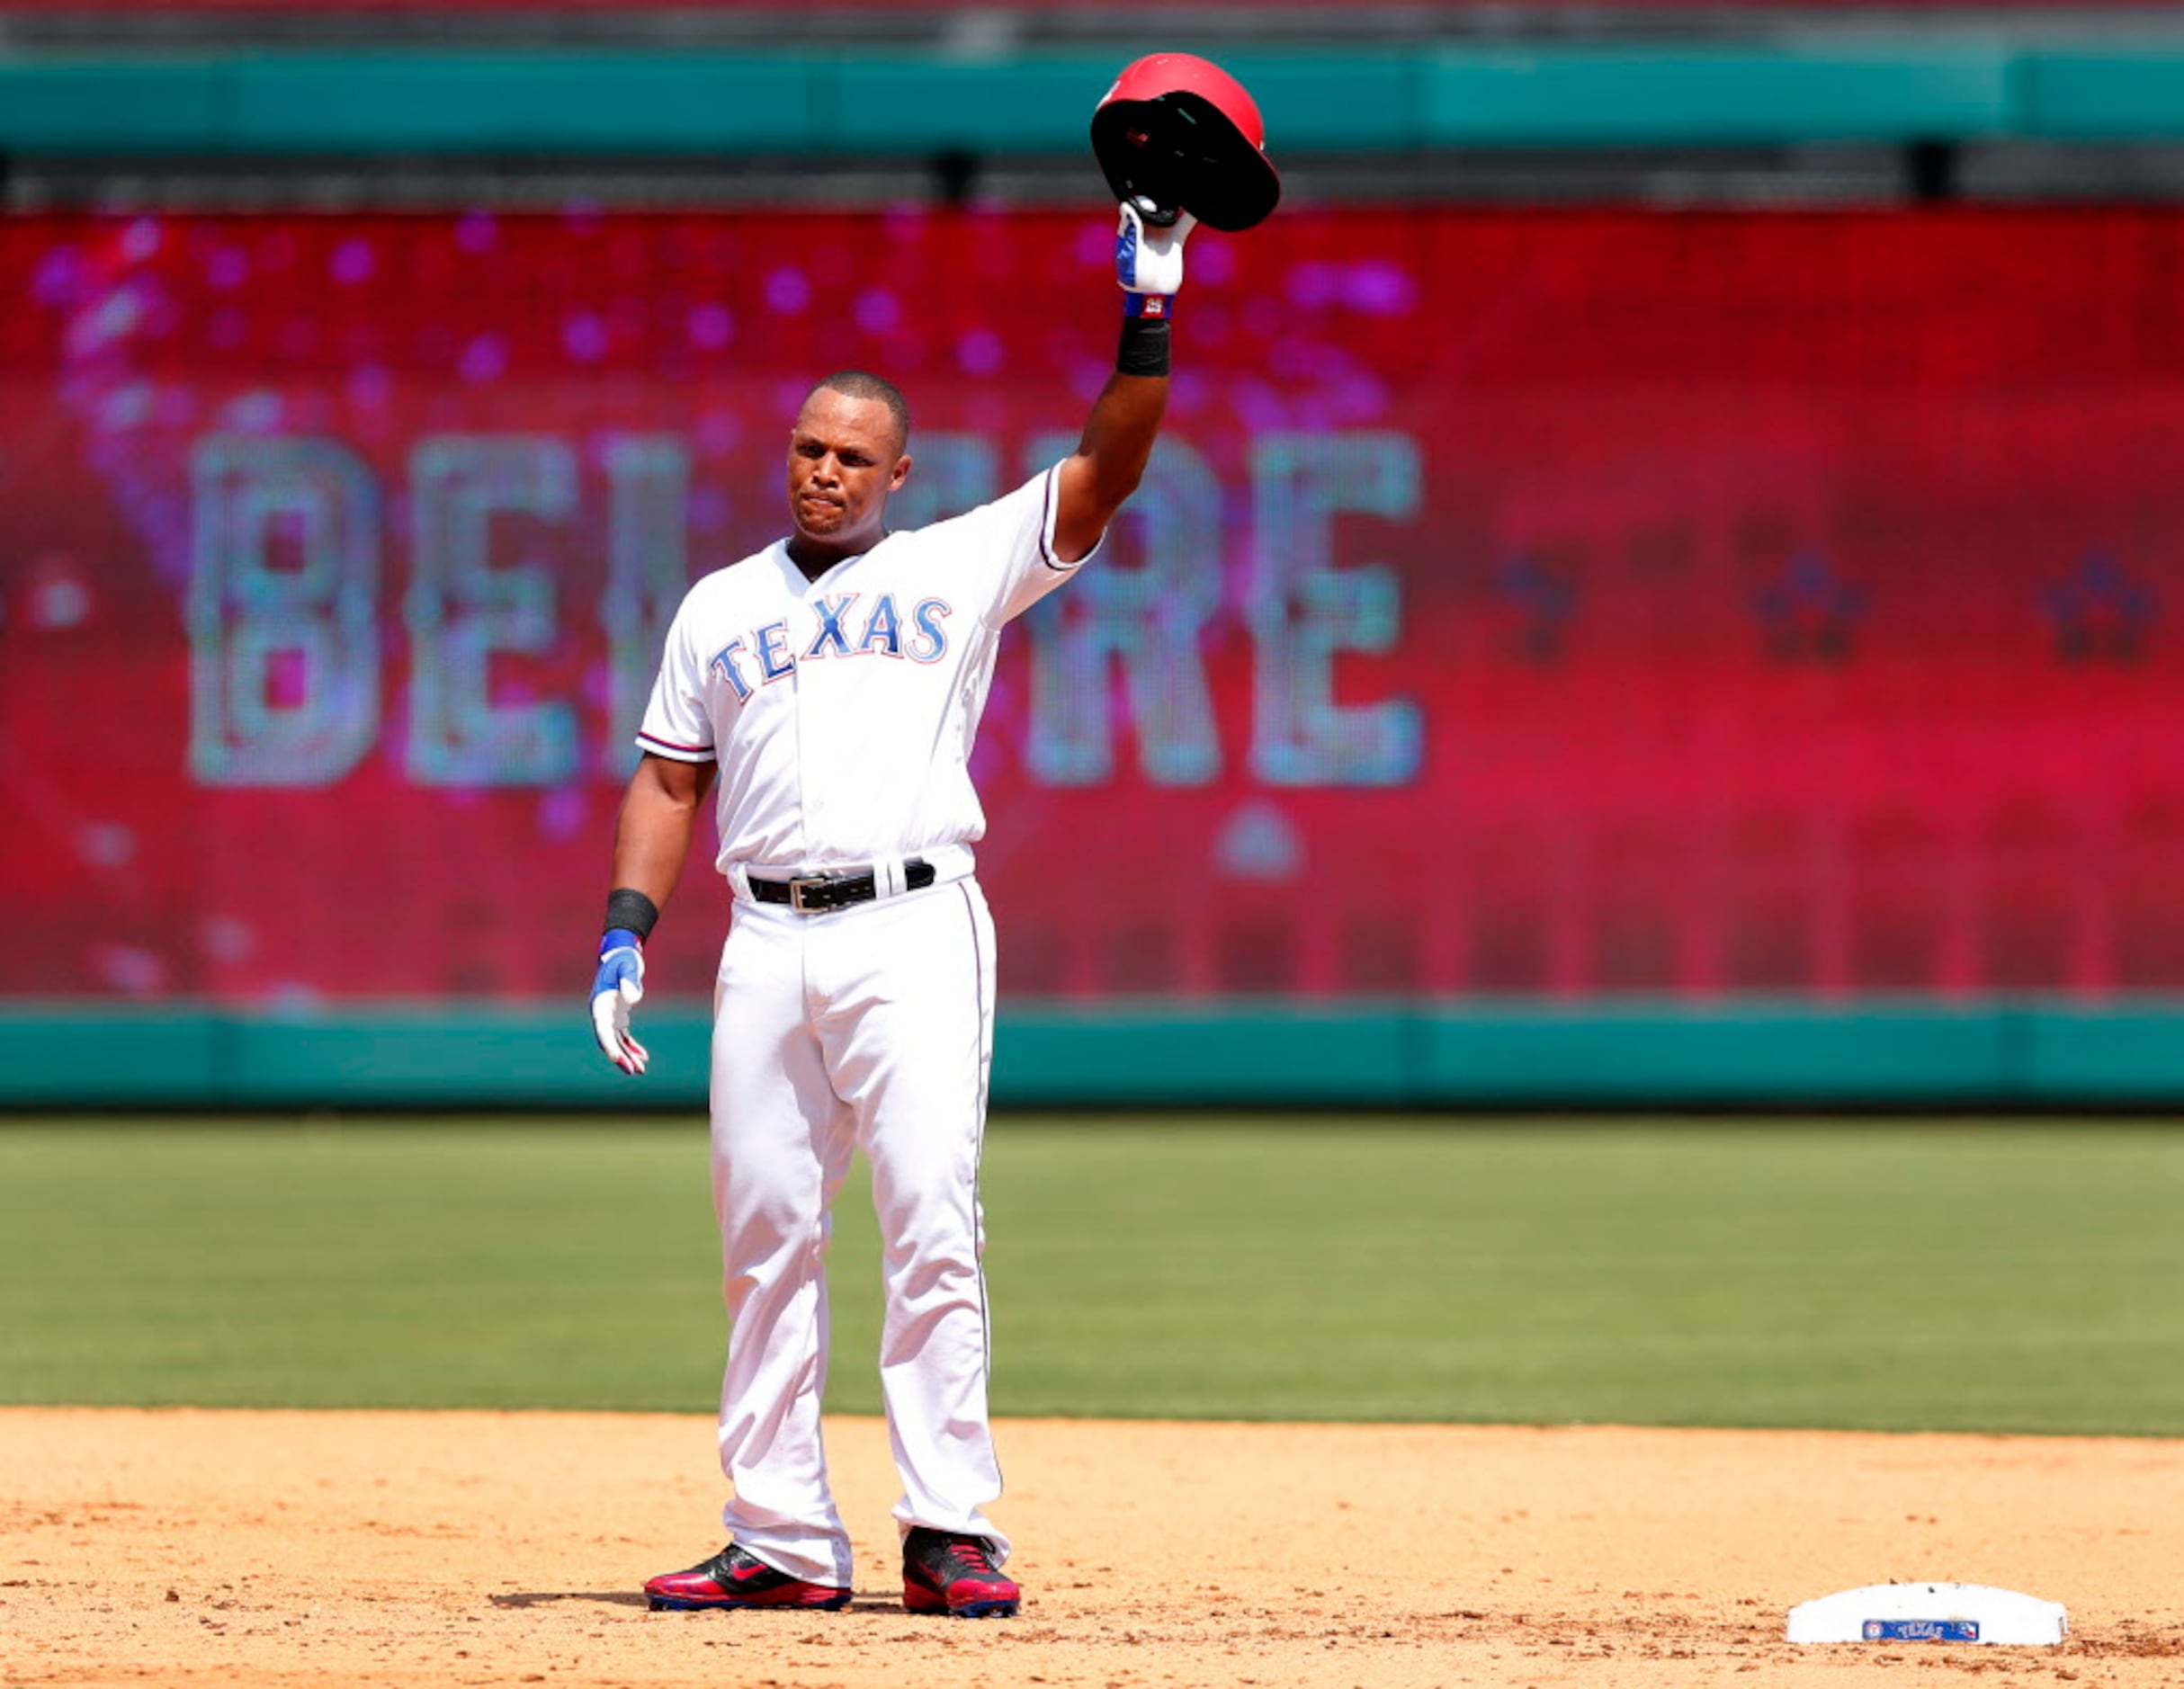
{"type": "Point", "coordinates": [844, 460]}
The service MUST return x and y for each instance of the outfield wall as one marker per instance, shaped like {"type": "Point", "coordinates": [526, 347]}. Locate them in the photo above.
{"type": "Point", "coordinates": [1641, 1053]}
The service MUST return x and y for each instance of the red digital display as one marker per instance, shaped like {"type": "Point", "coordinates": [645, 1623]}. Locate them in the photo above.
{"type": "Point", "coordinates": [1540, 602]}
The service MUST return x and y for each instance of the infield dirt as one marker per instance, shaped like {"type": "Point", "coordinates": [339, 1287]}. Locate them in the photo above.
{"type": "Point", "coordinates": [241, 1549]}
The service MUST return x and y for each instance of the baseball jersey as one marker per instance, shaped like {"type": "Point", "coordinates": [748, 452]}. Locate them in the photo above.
{"type": "Point", "coordinates": [842, 711]}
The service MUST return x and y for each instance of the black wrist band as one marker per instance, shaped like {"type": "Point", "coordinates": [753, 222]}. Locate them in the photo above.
{"type": "Point", "coordinates": [631, 911]}
{"type": "Point", "coordinates": [1144, 347]}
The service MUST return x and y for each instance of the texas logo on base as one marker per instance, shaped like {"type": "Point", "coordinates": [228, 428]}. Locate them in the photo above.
{"type": "Point", "coordinates": [1921, 1629]}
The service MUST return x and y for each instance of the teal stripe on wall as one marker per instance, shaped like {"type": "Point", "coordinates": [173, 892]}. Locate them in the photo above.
{"type": "Point", "coordinates": [99, 106]}
{"type": "Point", "coordinates": [488, 102]}
{"type": "Point", "coordinates": [1715, 95]}
{"type": "Point", "coordinates": [1650, 1054]}
{"type": "Point", "coordinates": [2111, 95]}
{"type": "Point", "coordinates": [1876, 87]}
{"type": "Point", "coordinates": [1269, 1055]}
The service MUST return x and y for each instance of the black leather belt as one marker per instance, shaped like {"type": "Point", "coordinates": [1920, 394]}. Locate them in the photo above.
{"type": "Point", "coordinates": [814, 894]}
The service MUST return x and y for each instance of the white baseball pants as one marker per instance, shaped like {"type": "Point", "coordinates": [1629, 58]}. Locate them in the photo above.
{"type": "Point", "coordinates": [869, 1027]}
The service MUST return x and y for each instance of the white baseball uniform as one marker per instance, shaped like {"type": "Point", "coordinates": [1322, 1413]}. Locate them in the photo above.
{"type": "Point", "coordinates": [842, 713]}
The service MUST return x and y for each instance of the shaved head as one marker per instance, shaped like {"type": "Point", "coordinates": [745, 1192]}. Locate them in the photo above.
{"type": "Point", "coordinates": [864, 384]}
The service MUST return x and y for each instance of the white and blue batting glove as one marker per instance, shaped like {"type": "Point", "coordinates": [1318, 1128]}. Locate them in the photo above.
{"type": "Point", "coordinates": [617, 988]}
{"type": "Point", "coordinates": [1148, 258]}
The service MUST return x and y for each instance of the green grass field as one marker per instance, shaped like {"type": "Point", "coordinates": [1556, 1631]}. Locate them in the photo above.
{"type": "Point", "coordinates": [1877, 1274]}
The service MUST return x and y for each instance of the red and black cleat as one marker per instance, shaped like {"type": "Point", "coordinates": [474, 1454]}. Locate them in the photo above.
{"type": "Point", "coordinates": [735, 1577]}
{"type": "Point", "coordinates": [955, 1574]}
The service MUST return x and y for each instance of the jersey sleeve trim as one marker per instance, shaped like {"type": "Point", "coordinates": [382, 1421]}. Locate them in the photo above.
{"type": "Point", "coordinates": [1047, 515]}
{"type": "Point", "coordinates": [674, 752]}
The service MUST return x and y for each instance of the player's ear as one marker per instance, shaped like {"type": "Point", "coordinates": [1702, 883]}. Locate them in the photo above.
{"type": "Point", "coordinates": [901, 474]}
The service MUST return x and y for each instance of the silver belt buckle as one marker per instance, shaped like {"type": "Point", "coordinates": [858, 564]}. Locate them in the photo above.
{"type": "Point", "coordinates": [797, 888]}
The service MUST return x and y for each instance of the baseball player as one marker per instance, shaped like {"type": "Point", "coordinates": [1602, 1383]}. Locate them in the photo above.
{"type": "Point", "coordinates": [827, 691]}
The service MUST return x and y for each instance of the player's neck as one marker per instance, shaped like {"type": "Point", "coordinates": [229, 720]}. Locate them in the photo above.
{"type": "Point", "coordinates": [813, 558]}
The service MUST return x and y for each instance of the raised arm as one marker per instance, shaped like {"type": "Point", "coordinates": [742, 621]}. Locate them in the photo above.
{"type": "Point", "coordinates": [1110, 458]}
{"type": "Point", "coordinates": [660, 812]}
{"type": "Point", "coordinates": [1104, 468]}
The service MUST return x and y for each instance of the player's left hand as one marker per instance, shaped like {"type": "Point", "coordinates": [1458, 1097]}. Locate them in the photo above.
{"type": "Point", "coordinates": [1149, 256]}
{"type": "Point", "coordinates": [617, 988]}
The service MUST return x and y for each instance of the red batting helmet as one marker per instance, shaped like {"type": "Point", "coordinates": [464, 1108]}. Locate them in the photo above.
{"type": "Point", "coordinates": [1182, 132]}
